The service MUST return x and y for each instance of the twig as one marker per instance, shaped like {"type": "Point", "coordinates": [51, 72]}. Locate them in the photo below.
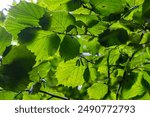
{"type": "Point", "coordinates": [44, 92]}
{"type": "Point", "coordinates": [124, 74]}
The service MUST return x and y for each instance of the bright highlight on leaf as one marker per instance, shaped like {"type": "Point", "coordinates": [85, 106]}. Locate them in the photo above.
{"type": "Point", "coordinates": [23, 15]}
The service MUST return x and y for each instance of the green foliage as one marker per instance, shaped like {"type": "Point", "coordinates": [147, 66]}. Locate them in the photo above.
{"type": "Point", "coordinates": [75, 49]}
{"type": "Point", "coordinates": [5, 40]}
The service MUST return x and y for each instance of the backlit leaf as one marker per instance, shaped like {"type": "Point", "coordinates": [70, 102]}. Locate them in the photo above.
{"type": "Point", "coordinates": [69, 74]}
{"type": "Point", "coordinates": [97, 91]}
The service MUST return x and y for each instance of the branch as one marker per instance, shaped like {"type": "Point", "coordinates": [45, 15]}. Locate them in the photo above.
{"type": "Point", "coordinates": [44, 92]}
{"type": "Point", "coordinates": [75, 34]}
{"type": "Point", "coordinates": [124, 74]}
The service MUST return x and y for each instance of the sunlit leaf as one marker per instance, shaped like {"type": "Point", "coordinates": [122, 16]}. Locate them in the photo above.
{"type": "Point", "coordinates": [5, 40]}
{"type": "Point", "coordinates": [69, 74]}
{"type": "Point", "coordinates": [23, 15]}
{"type": "Point", "coordinates": [97, 91]}
{"type": "Point", "coordinates": [42, 43]}
{"type": "Point", "coordinates": [107, 7]}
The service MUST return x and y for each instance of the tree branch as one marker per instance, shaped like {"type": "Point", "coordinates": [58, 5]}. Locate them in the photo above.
{"type": "Point", "coordinates": [44, 92]}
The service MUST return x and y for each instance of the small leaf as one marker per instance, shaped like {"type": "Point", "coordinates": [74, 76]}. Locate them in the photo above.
{"type": "Point", "coordinates": [68, 74]}
{"type": "Point", "coordinates": [97, 91]}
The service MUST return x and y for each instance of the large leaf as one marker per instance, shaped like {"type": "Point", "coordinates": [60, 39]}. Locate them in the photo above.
{"type": "Point", "coordinates": [146, 10]}
{"type": "Point", "coordinates": [5, 40]}
{"type": "Point", "coordinates": [60, 20]}
{"type": "Point", "coordinates": [69, 48]}
{"type": "Point", "coordinates": [14, 71]}
{"type": "Point", "coordinates": [97, 91]}
{"type": "Point", "coordinates": [107, 7]}
{"type": "Point", "coordinates": [136, 89]}
{"type": "Point", "coordinates": [23, 15]}
{"type": "Point", "coordinates": [114, 37]}
{"type": "Point", "coordinates": [42, 43]}
{"type": "Point", "coordinates": [68, 74]}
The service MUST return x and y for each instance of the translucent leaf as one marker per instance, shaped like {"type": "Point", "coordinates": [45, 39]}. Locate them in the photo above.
{"type": "Point", "coordinates": [14, 71]}
{"type": "Point", "coordinates": [146, 76]}
{"type": "Point", "coordinates": [115, 37]}
{"type": "Point", "coordinates": [134, 2]}
{"type": "Point", "coordinates": [42, 43]}
{"type": "Point", "coordinates": [146, 10]}
{"type": "Point", "coordinates": [23, 15]}
{"type": "Point", "coordinates": [137, 89]}
{"type": "Point", "coordinates": [69, 48]}
{"type": "Point", "coordinates": [7, 95]}
{"type": "Point", "coordinates": [39, 71]}
{"type": "Point", "coordinates": [107, 7]}
{"type": "Point", "coordinates": [52, 4]}
{"type": "Point", "coordinates": [68, 74]}
{"type": "Point", "coordinates": [97, 91]}
{"type": "Point", "coordinates": [60, 20]}
{"type": "Point", "coordinates": [5, 40]}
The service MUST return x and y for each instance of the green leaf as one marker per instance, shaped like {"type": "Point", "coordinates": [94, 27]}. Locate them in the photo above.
{"type": "Point", "coordinates": [14, 70]}
{"type": "Point", "coordinates": [41, 70]}
{"type": "Point", "coordinates": [114, 37]}
{"type": "Point", "coordinates": [69, 48]}
{"type": "Point", "coordinates": [97, 91]}
{"type": "Point", "coordinates": [52, 4]}
{"type": "Point", "coordinates": [5, 40]}
{"type": "Point", "coordinates": [107, 7]}
{"type": "Point", "coordinates": [60, 20]}
{"type": "Point", "coordinates": [42, 43]}
{"type": "Point", "coordinates": [7, 95]}
{"type": "Point", "coordinates": [146, 10]}
{"type": "Point", "coordinates": [68, 74]}
{"type": "Point", "coordinates": [133, 3]}
{"type": "Point", "coordinates": [146, 76]}
{"type": "Point", "coordinates": [137, 89]}
{"type": "Point", "coordinates": [23, 15]}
